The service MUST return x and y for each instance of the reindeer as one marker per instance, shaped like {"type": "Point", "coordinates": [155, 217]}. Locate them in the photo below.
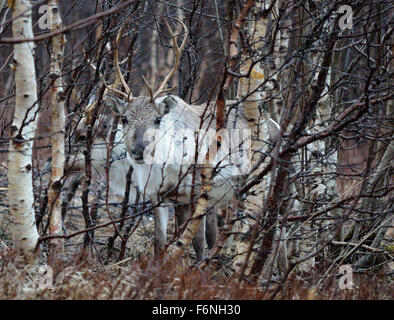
{"type": "Point", "coordinates": [176, 180]}
{"type": "Point", "coordinates": [120, 158]}
{"type": "Point", "coordinates": [152, 190]}
{"type": "Point", "coordinates": [121, 161]}
{"type": "Point", "coordinates": [171, 180]}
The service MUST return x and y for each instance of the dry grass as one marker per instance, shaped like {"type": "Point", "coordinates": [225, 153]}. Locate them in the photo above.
{"type": "Point", "coordinates": [149, 279]}
{"type": "Point", "coordinates": [141, 277]}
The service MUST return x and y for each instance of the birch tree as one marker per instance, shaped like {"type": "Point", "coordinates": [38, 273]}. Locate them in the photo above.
{"type": "Point", "coordinates": [57, 134]}
{"type": "Point", "coordinates": [21, 201]}
{"type": "Point", "coordinates": [250, 94]}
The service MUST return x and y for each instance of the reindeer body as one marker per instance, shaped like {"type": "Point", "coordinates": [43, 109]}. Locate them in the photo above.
{"type": "Point", "coordinates": [164, 166]}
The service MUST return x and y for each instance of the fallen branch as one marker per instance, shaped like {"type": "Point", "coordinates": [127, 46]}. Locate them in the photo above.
{"type": "Point", "coordinates": [364, 246]}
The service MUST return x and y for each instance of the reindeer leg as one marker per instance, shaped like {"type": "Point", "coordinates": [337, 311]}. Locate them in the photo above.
{"type": "Point", "coordinates": [211, 228]}
{"type": "Point", "coordinates": [199, 240]}
{"type": "Point", "coordinates": [161, 221]}
{"type": "Point", "coordinates": [183, 213]}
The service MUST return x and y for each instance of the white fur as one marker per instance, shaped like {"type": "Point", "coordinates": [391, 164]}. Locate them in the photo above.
{"type": "Point", "coordinates": [174, 153]}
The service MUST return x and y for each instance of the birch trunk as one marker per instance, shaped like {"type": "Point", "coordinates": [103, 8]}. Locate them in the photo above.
{"type": "Point", "coordinates": [247, 88]}
{"type": "Point", "coordinates": [20, 194]}
{"type": "Point", "coordinates": [57, 137]}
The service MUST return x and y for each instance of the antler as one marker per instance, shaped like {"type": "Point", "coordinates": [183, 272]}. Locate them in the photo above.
{"type": "Point", "coordinates": [178, 51]}
{"type": "Point", "coordinates": [119, 77]}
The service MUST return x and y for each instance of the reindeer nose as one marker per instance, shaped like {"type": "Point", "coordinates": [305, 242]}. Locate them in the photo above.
{"type": "Point", "coordinates": [137, 152]}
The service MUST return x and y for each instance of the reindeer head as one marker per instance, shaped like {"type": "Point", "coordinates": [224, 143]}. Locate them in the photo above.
{"type": "Point", "coordinates": [140, 118]}
{"type": "Point", "coordinates": [141, 114]}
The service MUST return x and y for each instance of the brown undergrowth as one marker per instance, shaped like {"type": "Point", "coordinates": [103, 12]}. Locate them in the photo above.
{"type": "Point", "coordinates": [142, 277]}
{"type": "Point", "coordinates": [150, 279]}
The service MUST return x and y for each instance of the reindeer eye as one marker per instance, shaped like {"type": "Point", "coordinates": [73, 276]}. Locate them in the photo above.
{"type": "Point", "coordinates": [124, 120]}
{"type": "Point", "coordinates": [157, 121]}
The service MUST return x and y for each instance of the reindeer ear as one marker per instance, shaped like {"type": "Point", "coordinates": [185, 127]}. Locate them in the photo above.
{"type": "Point", "coordinates": [116, 104]}
{"type": "Point", "coordinates": [165, 105]}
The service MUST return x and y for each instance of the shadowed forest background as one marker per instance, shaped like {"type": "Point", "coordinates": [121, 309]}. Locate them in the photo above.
{"type": "Point", "coordinates": [314, 90]}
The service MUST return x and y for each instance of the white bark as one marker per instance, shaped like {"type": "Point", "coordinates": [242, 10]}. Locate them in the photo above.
{"type": "Point", "coordinates": [21, 201]}
{"type": "Point", "coordinates": [2, 3]}
{"type": "Point", "coordinates": [254, 201]}
{"type": "Point", "coordinates": [57, 134]}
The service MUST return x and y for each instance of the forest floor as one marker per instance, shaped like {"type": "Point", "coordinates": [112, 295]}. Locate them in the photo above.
{"type": "Point", "coordinates": [140, 276]}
